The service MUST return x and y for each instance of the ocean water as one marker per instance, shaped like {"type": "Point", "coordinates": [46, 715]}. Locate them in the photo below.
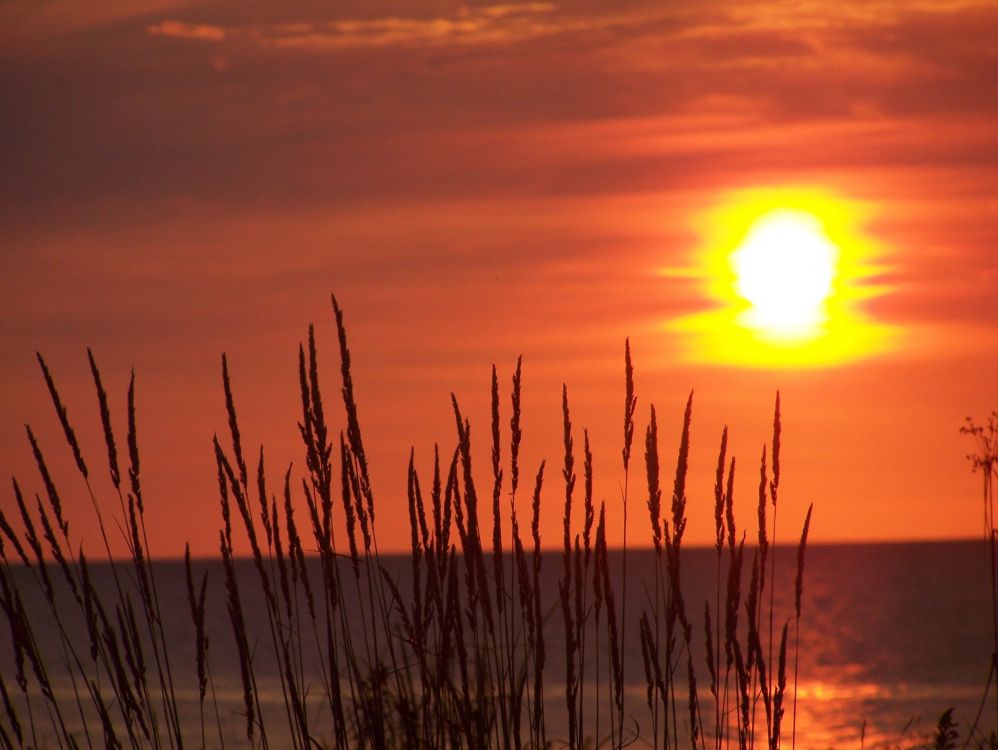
{"type": "Point", "coordinates": [891, 635]}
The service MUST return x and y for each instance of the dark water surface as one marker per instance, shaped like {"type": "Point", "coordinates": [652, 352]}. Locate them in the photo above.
{"type": "Point", "coordinates": [891, 635]}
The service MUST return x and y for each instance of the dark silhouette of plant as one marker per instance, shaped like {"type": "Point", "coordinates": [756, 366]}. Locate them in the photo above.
{"type": "Point", "coordinates": [944, 736]}
{"type": "Point", "coordinates": [458, 662]}
{"type": "Point", "coordinates": [985, 460]}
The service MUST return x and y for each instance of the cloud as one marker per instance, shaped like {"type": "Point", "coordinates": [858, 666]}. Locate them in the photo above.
{"type": "Point", "coordinates": [466, 26]}
{"type": "Point", "coordinates": [203, 32]}
{"type": "Point", "coordinates": [420, 102]}
{"type": "Point", "coordinates": [26, 24]}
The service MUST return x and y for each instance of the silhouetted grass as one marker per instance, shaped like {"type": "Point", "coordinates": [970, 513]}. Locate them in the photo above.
{"type": "Point", "coordinates": [462, 658]}
{"type": "Point", "coordinates": [984, 459]}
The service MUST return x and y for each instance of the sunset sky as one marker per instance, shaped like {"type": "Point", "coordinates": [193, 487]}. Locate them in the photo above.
{"type": "Point", "coordinates": [475, 182]}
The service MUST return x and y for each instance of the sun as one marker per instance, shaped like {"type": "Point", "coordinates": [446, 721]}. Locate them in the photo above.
{"type": "Point", "coordinates": [785, 269]}
{"type": "Point", "coordinates": [785, 276]}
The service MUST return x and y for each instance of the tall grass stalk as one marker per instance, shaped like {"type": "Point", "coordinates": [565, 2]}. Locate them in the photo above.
{"type": "Point", "coordinates": [798, 595]}
{"type": "Point", "coordinates": [630, 404]}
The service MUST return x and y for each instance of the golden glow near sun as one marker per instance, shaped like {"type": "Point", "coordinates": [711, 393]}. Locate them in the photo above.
{"type": "Point", "coordinates": [787, 273]}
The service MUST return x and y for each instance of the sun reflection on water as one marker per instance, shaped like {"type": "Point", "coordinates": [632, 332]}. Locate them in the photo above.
{"type": "Point", "coordinates": [854, 714]}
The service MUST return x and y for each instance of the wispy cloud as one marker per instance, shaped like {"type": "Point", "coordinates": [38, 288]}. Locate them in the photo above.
{"type": "Point", "coordinates": [202, 32]}
{"type": "Point", "coordinates": [466, 26]}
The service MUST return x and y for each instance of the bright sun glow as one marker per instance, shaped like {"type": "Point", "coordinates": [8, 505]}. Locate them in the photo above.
{"type": "Point", "coordinates": [785, 268]}
{"type": "Point", "coordinates": [786, 274]}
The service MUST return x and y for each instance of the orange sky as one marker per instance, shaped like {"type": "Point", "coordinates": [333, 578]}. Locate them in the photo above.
{"type": "Point", "coordinates": [476, 182]}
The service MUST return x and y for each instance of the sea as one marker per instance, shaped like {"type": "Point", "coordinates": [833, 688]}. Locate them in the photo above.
{"type": "Point", "coordinates": [890, 637]}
